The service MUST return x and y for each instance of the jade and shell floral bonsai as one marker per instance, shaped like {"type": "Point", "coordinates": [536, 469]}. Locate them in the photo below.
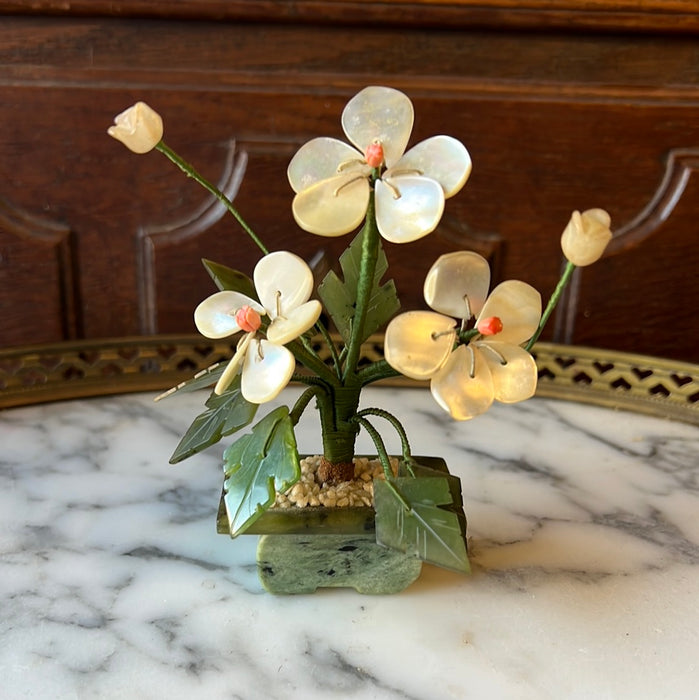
{"type": "Point", "coordinates": [473, 345]}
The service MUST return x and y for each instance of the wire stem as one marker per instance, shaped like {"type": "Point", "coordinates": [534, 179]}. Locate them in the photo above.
{"type": "Point", "coordinates": [331, 346]}
{"type": "Point", "coordinates": [378, 443]}
{"type": "Point", "coordinates": [186, 168]}
{"type": "Point", "coordinates": [302, 402]}
{"type": "Point", "coordinates": [381, 413]}
{"type": "Point", "coordinates": [553, 301]}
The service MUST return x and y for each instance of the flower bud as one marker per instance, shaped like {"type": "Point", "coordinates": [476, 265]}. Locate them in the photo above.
{"type": "Point", "coordinates": [586, 236]}
{"type": "Point", "coordinates": [139, 128]}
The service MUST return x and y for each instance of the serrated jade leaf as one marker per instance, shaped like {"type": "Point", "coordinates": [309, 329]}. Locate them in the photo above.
{"type": "Point", "coordinates": [409, 519]}
{"type": "Point", "coordinates": [256, 466]}
{"type": "Point", "coordinates": [226, 278]}
{"type": "Point", "coordinates": [340, 296]}
{"type": "Point", "coordinates": [225, 414]}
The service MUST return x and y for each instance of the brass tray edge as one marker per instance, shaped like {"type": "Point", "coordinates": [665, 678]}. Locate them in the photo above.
{"type": "Point", "coordinates": [81, 369]}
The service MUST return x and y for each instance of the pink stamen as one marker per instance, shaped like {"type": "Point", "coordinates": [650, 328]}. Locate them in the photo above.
{"type": "Point", "coordinates": [374, 155]}
{"type": "Point", "coordinates": [248, 319]}
{"type": "Point", "coordinates": [489, 326]}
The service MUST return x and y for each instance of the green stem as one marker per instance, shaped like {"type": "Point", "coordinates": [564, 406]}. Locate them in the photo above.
{"type": "Point", "coordinates": [555, 298]}
{"type": "Point", "coordinates": [337, 410]}
{"type": "Point", "coordinates": [302, 402]}
{"type": "Point", "coordinates": [331, 346]}
{"type": "Point", "coordinates": [305, 341]}
{"type": "Point", "coordinates": [326, 414]}
{"type": "Point", "coordinates": [311, 361]}
{"type": "Point", "coordinates": [186, 168]}
{"type": "Point", "coordinates": [398, 426]}
{"type": "Point", "coordinates": [367, 268]}
{"type": "Point", "coordinates": [379, 444]}
{"type": "Point", "coordinates": [340, 431]}
{"type": "Point", "coordinates": [376, 371]}
{"type": "Point", "coordinates": [385, 462]}
{"type": "Point", "coordinates": [310, 380]}
{"type": "Point", "coordinates": [465, 336]}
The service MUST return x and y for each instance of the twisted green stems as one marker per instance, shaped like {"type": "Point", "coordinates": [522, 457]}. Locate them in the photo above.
{"type": "Point", "coordinates": [370, 249]}
{"type": "Point", "coordinates": [398, 426]}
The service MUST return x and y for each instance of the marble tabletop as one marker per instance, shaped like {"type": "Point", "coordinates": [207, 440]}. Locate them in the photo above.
{"type": "Point", "coordinates": [583, 532]}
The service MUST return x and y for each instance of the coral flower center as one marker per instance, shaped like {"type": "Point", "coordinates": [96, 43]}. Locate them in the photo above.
{"type": "Point", "coordinates": [374, 155]}
{"type": "Point", "coordinates": [489, 326]}
{"type": "Point", "coordinates": [248, 319]}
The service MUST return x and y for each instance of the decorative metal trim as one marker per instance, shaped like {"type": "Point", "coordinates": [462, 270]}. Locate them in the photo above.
{"type": "Point", "coordinates": [70, 370]}
{"type": "Point", "coordinates": [651, 385]}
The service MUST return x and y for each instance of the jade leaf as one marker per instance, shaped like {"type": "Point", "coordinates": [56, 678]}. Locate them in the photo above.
{"type": "Point", "coordinates": [225, 414]}
{"type": "Point", "coordinates": [340, 296]}
{"type": "Point", "coordinates": [226, 278]}
{"type": "Point", "coordinates": [256, 466]}
{"type": "Point", "coordinates": [424, 471]}
{"type": "Point", "coordinates": [409, 518]}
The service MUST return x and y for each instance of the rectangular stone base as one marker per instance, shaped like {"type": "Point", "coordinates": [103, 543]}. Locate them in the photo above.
{"type": "Point", "coordinates": [303, 563]}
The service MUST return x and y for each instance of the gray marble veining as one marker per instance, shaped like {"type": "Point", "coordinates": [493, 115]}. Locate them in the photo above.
{"type": "Point", "coordinates": [584, 535]}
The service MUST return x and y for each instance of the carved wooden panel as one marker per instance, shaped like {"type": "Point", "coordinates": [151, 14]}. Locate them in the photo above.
{"type": "Point", "coordinates": [554, 121]}
{"type": "Point", "coordinates": [36, 279]}
{"type": "Point", "coordinates": [645, 292]}
{"type": "Point", "coordinates": [163, 283]}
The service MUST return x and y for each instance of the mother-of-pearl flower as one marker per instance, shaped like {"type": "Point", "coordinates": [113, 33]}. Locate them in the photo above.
{"type": "Point", "coordinates": [465, 381]}
{"type": "Point", "coordinates": [332, 179]}
{"type": "Point", "coordinates": [284, 284]}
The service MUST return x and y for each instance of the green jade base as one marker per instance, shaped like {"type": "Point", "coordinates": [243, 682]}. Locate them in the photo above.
{"type": "Point", "coordinates": [303, 549]}
{"type": "Point", "coordinates": [303, 563]}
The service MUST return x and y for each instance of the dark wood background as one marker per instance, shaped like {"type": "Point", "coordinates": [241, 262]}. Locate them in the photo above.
{"type": "Point", "coordinates": [563, 105]}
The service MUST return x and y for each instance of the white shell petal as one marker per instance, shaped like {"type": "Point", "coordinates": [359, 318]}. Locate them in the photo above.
{"type": "Point", "coordinates": [456, 391]}
{"type": "Point", "coordinates": [234, 364]}
{"type": "Point", "coordinates": [215, 316]}
{"type": "Point", "coordinates": [441, 158]}
{"type": "Point", "coordinates": [320, 159]}
{"type": "Point", "coordinates": [379, 114]}
{"type": "Point", "coordinates": [334, 206]}
{"type": "Point", "coordinates": [514, 381]}
{"type": "Point", "coordinates": [518, 305]}
{"type": "Point", "coordinates": [284, 329]}
{"type": "Point", "coordinates": [414, 344]}
{"type": "Point", "coordinates": [457, 284]}
{"type": "Point", "coordinates": [409, 208]}
{"type": "Point", "coordinates": [266, 371]}
{"type": "Point", "coordinates": [283, 281]}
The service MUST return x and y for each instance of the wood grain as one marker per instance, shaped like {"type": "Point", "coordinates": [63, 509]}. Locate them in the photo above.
{"type": "Point", "coordinates": [667, 16]}
{"type": "Point", "coordinates": [108, 243]}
